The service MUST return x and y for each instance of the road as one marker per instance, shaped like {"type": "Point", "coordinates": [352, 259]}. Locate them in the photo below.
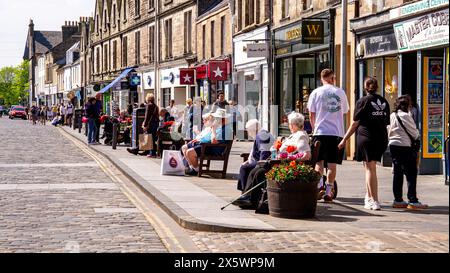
{"type": "Point", "coordinates": [56, 198]}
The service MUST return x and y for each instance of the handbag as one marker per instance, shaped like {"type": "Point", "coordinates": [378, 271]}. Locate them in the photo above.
{"type": "Point", "coordinates": [415, 143]}
{"type": "Point", "coordinates": [145, 142]}
{"type": "Point", "coordinates": [172, 163]}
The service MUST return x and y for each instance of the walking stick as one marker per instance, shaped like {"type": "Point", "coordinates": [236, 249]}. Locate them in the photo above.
{"type": "Point", "coordinates": [245, 193]}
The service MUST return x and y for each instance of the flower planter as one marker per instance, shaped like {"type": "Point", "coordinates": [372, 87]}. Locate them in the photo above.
{"type": "Point", "coordinates": [293, 200]}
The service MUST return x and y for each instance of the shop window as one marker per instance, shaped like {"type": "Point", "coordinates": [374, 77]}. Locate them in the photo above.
{"type": "Point", "coordinates": [305, 84]}
{"type": "Point", "coordinates": [374, 68]}
{"type": "Point", "coordinates": [286, 94]}
{"type": "Point", "coordinates": [166, 97]}
{"type": "Point", "coordinates": [391, 80]}
{"type": "Point", "coordinates": [252, 97]}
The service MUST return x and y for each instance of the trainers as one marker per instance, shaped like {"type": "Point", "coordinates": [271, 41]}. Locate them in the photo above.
{"type": "Point", "coordinates": [376, 205]}
{"type": "Point", "coordinates": [368, 202]}
{"type": "Point", "coordinates": [399, 205]}
{"type": "Point", "coordinates": [329, 193]}
{"type": "Point", "coordinates": [417, 206]}
{"type": "Point", "coordinates": [321, 188]}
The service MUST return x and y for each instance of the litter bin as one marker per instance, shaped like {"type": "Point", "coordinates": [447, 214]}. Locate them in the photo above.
{"type": "Point", "coordinates": [77, 123]}
{"type": "Point", "coordinates": [138, 119]}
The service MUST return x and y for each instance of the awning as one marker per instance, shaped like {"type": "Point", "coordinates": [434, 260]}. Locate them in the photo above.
{"type": "Point", "coordinates": [121, 76]}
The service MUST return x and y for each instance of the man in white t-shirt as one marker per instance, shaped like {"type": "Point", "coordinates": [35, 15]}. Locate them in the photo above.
{"type": "Point", "coordinates": [327, 106]}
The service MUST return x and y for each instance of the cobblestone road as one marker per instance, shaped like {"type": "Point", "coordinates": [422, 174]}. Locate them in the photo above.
{"type": "Point", "coordinates": [55, 198]}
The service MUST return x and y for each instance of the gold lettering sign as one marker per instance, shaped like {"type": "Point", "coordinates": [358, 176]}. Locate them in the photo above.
{"type": "Point", "coordinates": [293, 34]}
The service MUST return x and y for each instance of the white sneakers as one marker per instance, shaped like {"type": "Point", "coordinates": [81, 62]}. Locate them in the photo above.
{"type": "Point", "coordinates": [370, 204]}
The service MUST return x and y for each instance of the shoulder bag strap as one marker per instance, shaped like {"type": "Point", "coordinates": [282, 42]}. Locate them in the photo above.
{"type": "Point", "coordinates": [404, 128]}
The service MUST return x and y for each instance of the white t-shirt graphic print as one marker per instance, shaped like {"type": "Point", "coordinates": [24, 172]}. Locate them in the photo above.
{"type": "Point", "coordinates": [330, 104]}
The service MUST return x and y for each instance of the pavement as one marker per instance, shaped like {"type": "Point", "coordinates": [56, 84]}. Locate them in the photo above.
{"type": "Point", "coordinates": [194, 203]}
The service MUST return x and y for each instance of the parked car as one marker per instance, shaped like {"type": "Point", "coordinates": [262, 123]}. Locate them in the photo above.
{"type": "Point", "coordinates": [17, 112]}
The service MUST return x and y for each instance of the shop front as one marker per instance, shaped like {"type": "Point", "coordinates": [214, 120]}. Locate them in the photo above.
{"type": "Point", "coordinates": [298, 66]}
{"type": "Point", "coordinates": [213, 77]}
{"type": "Point", "coordinates": [147, 85]}
{"type": "Point", "coordinates": [251, 71]}
{"type": "Point", "coordinates": [408, 54]}
{"type": "Point", "coordinates": [171, 89]}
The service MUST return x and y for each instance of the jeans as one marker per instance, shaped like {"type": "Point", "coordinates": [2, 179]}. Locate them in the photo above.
{"type": "Point", "coordinates": [92, 130]}
{"type": "Point", "coordinates": [404, 160]}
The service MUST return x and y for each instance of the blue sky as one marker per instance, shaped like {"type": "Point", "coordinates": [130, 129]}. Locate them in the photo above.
{"type": "Point", "coordinates": [46, 14]}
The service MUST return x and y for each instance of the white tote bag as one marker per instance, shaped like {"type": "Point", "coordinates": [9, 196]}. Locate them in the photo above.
{"type": "Point", "coordinates": [172, 163]}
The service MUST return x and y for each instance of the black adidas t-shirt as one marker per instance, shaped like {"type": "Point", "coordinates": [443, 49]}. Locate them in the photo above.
{"type": "Point", "coordinates": [373, 114]}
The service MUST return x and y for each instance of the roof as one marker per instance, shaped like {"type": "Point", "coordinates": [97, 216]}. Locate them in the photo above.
{"type": "Point", "coordinates": [44, 40]}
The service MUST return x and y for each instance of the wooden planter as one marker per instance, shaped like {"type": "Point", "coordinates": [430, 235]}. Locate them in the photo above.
{"type": "Point", "coordinates": [293, 200]}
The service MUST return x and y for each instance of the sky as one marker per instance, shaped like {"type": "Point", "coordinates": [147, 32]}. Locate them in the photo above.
{"type": "Point", "coordinates": [15, 16]}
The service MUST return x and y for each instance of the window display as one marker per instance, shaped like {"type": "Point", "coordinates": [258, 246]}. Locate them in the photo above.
{"type": "Point", "coordinates": [286, 94]}
{"type": "Point", "coordinates": [391, 80]}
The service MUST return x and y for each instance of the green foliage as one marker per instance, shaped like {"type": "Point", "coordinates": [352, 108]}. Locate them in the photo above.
{"type": "Point", "coordinates": [14, 84]}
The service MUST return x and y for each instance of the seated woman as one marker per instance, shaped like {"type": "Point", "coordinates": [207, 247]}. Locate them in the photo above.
{"type": "Point", "coordinates": [260, 150]}
{"type": "Point", "coordinates": [203, 137]}
{"type": "Point", "coordinates": [298, 138]}
{"type": "Point", "coordinates": [220, 132]}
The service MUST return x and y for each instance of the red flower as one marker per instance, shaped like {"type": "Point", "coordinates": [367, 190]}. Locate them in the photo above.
{"type": "Point", "coordinates": [277, 145]}
{"type": "Point", "coordinates": [291, 149]}
{"type": "Point", "coordinates": [293, 164]}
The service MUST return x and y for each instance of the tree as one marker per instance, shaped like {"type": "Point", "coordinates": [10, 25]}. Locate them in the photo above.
{"type": "Point", "coordinates": [14, 83]}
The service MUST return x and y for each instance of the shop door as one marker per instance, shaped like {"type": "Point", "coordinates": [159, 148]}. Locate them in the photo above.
{"type": "Point", "coordinates": [306, 84]}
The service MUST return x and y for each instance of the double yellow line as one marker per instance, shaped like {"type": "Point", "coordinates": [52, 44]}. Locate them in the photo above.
{"type": "Point", "coordinates": [162, 230]}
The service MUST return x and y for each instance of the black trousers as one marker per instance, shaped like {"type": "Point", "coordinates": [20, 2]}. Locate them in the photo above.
{"type": "Point", "coordinates": [404, 160]}
{"type": "Point", "coordinates": [244, 172]}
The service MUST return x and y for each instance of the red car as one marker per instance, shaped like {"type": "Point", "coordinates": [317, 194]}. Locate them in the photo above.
{"type": "Point", "coordinates": [17, 112]}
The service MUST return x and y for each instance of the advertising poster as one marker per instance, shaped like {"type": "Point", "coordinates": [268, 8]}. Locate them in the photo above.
{"type": "Point", "coordinates": [436, 70]}
{"type": "Point", "coordinates": [433, 114]}
{"type": "Point", "coordinates": [435, 142]}
{"type": "Point", "coordinates": [435, 93]}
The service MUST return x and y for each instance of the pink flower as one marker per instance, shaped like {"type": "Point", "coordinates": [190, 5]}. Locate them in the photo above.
{"type": "Point", "coordinates": [283, 155]}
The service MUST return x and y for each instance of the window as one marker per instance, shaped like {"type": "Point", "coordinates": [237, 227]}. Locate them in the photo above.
{"type": "Point", "coordinates": [306, 4]}
{"type": "Point", "coordinates": [284, 8]}
{"type": "Point", "coordinates": [168, 31]}
{"type": "Point", "coordinates": [125, 2]}
{"type": "Point", "coordinates": [113, 19]}
{"type": "Point", "coordinates": [137, 42]}
{"type": "Point", "coordinates": [137, 7]}
{"type": "Point", "coordinates": [222, 35]}
{"type": "Point", "coordinates": [125, 52]}
{"type": "Point", "coordinates": [251, 11]}
{"type": "Point", "coordinates": [204, 42]}
{"type": "Point", "coordinates": [105, 58]}
{"type": "Point", "coordinates": [390, 80]}
{"type": "Point", "coordinates": [151, 4]}
{"type": "Point", "coordinates": [286, 88]}
{"type": "Point", "coordinates": [166, 96]}
{"type": "Point", "coordinates": [188, 32]}
{"type": "Point", "coordinates": [97, 24]}
{"type": "Point", "coordinates": [97, 67]}
{"type": "Point", "coordinates": [151, 43]}
{"type": "Point", "coordinates": [239, 7]}
{"type": "Point", "coordinates": [114, 56]}
{"type": "Point", "coordinates": [257, 11]}
{"type": "Point", "coordinates": [211, 38]}
{"type": "Point", "coordinates": [247, 15]}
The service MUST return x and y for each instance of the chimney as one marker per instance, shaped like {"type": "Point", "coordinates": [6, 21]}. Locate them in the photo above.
{"type": "Point", "coordinates": [69, 29]}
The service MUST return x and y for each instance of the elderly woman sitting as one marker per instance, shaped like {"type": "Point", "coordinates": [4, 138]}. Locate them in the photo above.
{"type": "Point", "coordinates": [260, 150]}
{"type": "Point", "coordinates": [298, 138]}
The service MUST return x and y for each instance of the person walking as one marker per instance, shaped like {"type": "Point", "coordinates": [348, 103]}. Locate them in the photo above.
{"type": "Point", "coordinates": [185, 128]}
{"type": "Point", "coordinates": [370, 123]}
{"type": "Point", "coordinates": [151, 121]}
{"type": "Point", "coordinates": [63, 111]}
{"type": "Point", "coordinates": [403, 134]}
{"type": "Point", "coordinates": [99, 105]}
{"type": "Point", "coordinates": [55, 110]}
{"type": "Point", "coordinates": [69, 113]}
{"type": "Point", "coordinates": [34, 114]}
{"type": "Point", "coordinates": [92, 115]}
{"type": "Point", "coordinates": [327, 106]}
{"type": "Point", "coordinates": [49, 113]}
{"type": "Point", "coordinates": [220, 102]}
{"type": "Point", "coordinates": [43, 115]}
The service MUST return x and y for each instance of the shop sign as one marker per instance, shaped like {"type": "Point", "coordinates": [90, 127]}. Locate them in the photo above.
{"type": "Point", "coordinates": [135, 80]}
{"type": "Point", "coordinates": [381, 43]}
{"type": "Point", "coordinates": [257, 50]}
{"type": "Point", "coordinates": [293, 34]}
{"type": "Point", "coordinates": [426, 31]}
{"type": "Point", "coordinates": [282, 51]}
{"type": "Point", "coordinates": [417, 7]}
{"type": "Point", "coordinates": [148, 80]}
{"type": "Point", "coordinates": [312, 32]}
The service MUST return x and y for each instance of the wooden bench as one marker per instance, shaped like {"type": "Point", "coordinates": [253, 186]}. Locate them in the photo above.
{"type": "Point", "coordinates": [204, 156]}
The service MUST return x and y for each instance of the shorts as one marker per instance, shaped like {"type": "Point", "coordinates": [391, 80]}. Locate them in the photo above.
{"type": "Point", "coordinates": [329, 151]}
{"type": "Point", "coordinates": [369, 149]}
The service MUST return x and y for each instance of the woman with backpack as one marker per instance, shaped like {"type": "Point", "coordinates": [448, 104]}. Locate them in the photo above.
{"type": "Point", "coordinates": [404, 146]}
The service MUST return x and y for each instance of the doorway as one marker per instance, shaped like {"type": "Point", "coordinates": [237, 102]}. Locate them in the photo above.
{"type": "Point", "coordinates": [306, 84]}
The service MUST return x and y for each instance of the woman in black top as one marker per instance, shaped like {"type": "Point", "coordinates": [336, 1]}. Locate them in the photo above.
{"type": "Point", "coordinates": [370, 122]}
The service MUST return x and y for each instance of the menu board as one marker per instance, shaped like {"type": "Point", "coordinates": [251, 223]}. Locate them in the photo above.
{"type": "Point", "coordinates": [433, 114]}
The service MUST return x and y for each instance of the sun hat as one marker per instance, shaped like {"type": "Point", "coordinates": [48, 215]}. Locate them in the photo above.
{"type": "Point", "coordinates": [221, 113]}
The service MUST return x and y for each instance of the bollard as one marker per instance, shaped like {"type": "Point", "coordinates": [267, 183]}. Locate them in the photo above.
{"type": "Point", "coordinates": [80, 123]}
{"type": "Point", "coordinates": [114, 140]}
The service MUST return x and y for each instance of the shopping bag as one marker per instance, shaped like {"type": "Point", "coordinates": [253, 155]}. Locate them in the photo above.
{"type": "Point", "coordinates": [172, 163]}
{"type": "Point", "coordinates": [145, 142]}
